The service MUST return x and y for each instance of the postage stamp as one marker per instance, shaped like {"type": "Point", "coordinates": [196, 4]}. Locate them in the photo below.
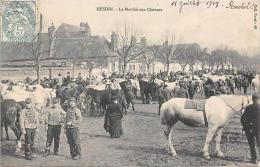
{"type": "Point", "coordinates": [18, 20]}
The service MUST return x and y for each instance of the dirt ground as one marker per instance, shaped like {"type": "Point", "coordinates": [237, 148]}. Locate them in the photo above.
{"type": "Point", "coordinates": [142, 144]}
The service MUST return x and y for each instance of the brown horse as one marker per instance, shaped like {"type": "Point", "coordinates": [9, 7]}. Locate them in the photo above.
{"type": "Point", "coordinates": [10, 111]}
{"type": "Point", "coordinates": [64, 92]}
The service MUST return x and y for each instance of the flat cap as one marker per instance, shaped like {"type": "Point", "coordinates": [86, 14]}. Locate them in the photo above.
{"type": "Point", "coordinates": [72, 99]}
{"type": "Point", "coordinates": [55, 100]}
{"type": "Point", "coordinates": [28, 100]}
{"type": "Point", "coordinates": [114, 98]}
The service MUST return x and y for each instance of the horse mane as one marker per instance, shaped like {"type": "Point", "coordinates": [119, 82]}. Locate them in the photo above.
{"type": "Point", "coordinates": [234, 99]}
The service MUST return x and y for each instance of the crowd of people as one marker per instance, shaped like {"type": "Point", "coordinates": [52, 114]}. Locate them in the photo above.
{"type": "Point", "coordinates": [185, 86]}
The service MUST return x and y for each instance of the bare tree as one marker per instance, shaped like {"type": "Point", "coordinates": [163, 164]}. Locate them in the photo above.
{"type": "Point", "coordinates": [40, 47]}
{"type": "Point", "coordinates": [148, 58]}
{"type": "Point", "coordinates": [36, 50]}
{"type": "Point", "coordinates": [90, 50]}
{"type": "Point", "coordinates": [193, 52]}
{"type": "Point", "coordinates": [211, 61]}
{"type": "Point", "coordinates": [128, 48]}
{"type": "Point", "coordinates": [168, 51]}
{"type": "Point", "coordinates": [203, 58]}
{"type": "Point", "coordinates": [188, 54]}
{"type": "Point", "coordinates": [182, 56]}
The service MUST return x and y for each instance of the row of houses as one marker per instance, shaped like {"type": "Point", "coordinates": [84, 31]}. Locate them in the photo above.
{"type": "Point", "coordinates": [73, 46]}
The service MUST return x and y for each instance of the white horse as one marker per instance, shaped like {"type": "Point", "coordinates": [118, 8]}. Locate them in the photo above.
{"type": "Point", "coordinates": [256, 84]}
{"type": "Point", "coordinates": [218, 111]}
{"type": "Point", "coordinates": [171, 86]}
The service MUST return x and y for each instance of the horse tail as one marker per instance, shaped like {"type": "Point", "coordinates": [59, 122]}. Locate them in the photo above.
{"type": "Point", "coordinates": [163, 115]}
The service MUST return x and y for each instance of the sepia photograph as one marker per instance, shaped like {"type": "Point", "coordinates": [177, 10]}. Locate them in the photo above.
{"type": "Point", "coordinates": [130, 83]}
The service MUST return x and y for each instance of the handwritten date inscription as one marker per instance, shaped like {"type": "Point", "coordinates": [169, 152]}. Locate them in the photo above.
{"type": "Point", "coordinates": [181, 4]}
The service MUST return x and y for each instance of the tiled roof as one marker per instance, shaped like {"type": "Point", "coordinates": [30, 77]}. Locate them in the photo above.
{"type": "Point", "coordinates": [67, 45]}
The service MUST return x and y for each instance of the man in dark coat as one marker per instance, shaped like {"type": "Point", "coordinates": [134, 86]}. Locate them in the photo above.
{"type": "Point", "coordinates": [113, 119]}
{"type": "Point", "coordinates": [191, 89]}
{"type": "Point", "coordinates": [245, 84]}
{"type": "Point", "coordinates": [182, 92]}
{"type": "Point", "coordinates": [129, 94]}
{"type": "Point", "coordinates": [249, 122]}
{"type": "Point", "coordinates": [163, 95]}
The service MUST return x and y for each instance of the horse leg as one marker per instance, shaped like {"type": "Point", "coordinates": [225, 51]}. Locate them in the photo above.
{"type": "Point", "coordinates": [132, 103]}
{"type": "Point", "coordinates": [168, 134]}
{"type": "Point", "coordinates": [6, 130]}
{"type": "Point", "coordinates": [2, 127]}
{"type": "Point", "coordinates": [127, 102]}
{"type": "Point", "coordinates": [18, 134]}
{"type": "Point", "coordinates": [218, 139]}
{"type": "Point", "coordinates": [210, 134]}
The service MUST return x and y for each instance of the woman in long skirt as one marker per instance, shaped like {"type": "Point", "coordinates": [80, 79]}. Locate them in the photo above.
{"type": "Point", "coordinates": [113, 119]}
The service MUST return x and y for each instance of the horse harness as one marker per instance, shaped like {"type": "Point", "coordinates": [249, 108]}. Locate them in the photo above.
{"type": "Point", "coordinates": [234, 108]}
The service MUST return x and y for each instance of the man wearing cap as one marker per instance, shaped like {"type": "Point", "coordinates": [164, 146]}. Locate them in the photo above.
{"type": "Point", "coordinates": [53, 119]}
{"type": "Point", "coordinates": [72, 121]}
{"type": "Point", "coordinates": [163, 95]}
{"type": "Point", "coordinates": [181, 92]}
{"type": "Point", "coordinates": [249, 123]}
{"type": "Point", "coordinates": [29, 122]}
{"type": "Point", "coordinates": [114, 84]}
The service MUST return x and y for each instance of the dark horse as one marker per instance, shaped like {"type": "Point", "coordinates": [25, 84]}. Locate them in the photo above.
{"type": "Point", "coordinates": [10, 112]}
{"type": "Point", "coordinates": [149, 91]}
{"type": "Point", "coordinates": [64, 93]}
{"type": "Point", "coordinates": [104, 97]}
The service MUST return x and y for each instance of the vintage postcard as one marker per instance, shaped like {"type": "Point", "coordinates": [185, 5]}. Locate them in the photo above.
{"type": "Point", "coordinates": [130, 83]}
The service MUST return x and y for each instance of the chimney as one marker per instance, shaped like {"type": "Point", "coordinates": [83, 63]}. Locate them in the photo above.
{"type": "Point", "coordinates": [84, 28]}
{"type": "Point", "coordinates": [114, 41]}
{"type": "Point", "coordinates": [143, 41]}
{"type": "Point", "coordinates": [51, 31]}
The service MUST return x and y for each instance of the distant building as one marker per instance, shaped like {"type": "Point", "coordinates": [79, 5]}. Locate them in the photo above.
{"type": "Point", "coordinates": [66, 46]}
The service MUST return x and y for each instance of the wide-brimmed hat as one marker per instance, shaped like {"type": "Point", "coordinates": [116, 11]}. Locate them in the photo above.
{"type": "Point", "coordinates": [28, 100]}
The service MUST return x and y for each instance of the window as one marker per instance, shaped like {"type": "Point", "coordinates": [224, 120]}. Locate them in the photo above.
{"type": "Point", "coordinates": [63, 63]}
{"type": "Point", "coordinates": [133, 67]}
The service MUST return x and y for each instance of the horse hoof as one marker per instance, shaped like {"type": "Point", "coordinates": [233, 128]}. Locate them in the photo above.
{"type": "Point", "coordinates": [220, 155]}
{"type": "Point", "coordinates": [207, 157]}
{"type": "Point", "coordinates": [174, 154]}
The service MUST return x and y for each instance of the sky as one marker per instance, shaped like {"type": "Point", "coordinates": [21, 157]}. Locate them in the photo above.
{"type": "Point", "coordinates": [210, 27]}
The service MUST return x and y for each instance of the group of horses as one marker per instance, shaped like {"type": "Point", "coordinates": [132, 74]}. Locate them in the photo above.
{"type": "Point", "coordinates": [218, 109]}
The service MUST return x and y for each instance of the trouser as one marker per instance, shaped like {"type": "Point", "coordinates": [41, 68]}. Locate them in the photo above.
{"type": "Point", "coordinates": [252, 138]}
{"type": "Point", "coordinates": [191, 94]}
{"type": "Point", "coordinates": [53, 132]}
{"type": "Point", "coordinates": [161, 101]}
{"type": "Point", "coordinates": [73, 138]}
{"type": "Point", "coordinates": [232, 90]}
{"type": "Point", "coordinates": [245, 90]}
{"type": "Point", "coordinates": [29, 141]}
